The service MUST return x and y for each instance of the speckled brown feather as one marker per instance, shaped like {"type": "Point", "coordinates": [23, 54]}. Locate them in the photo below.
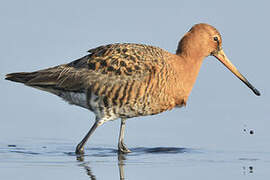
{"type": "Point", "coordinates": [122, 74]}
{"type": "Point", "coordinates": [129, 80]}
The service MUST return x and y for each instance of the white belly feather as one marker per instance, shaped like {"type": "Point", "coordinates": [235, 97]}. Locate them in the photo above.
{"type": "Point", "coordinates": [75, 98]}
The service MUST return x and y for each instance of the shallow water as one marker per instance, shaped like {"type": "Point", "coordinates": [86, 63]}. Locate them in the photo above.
{"type": "Point", "coordinates": [55, 159]}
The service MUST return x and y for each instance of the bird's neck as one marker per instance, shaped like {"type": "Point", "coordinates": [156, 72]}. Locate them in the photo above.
{"type": "Point", "coordinates": [187, 71]}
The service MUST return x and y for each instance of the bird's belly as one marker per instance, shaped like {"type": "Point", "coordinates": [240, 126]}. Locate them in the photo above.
{"type": "Point", "coordinates": [93, 103]}
{"type": "Point", "coordinates": [75, 98]}
{"type": "Point", "coordinates": [111, 111]}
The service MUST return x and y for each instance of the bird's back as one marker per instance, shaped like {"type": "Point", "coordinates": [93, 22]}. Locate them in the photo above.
{"type": "Point", "coordinates": [116, 80]}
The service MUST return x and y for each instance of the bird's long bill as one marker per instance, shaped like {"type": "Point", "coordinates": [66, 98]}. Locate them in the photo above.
{"type": "Point", "coordinates": [220, 55]}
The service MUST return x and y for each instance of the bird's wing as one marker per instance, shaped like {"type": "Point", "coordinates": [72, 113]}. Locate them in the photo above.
{"type": "Point", "coordinates": [104, 66]}
{"type": "Point", "coordinates": [122, 59]}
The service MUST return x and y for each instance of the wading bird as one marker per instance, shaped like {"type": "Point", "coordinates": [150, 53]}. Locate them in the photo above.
{"type": "Point", "coordinates": [130, 80]}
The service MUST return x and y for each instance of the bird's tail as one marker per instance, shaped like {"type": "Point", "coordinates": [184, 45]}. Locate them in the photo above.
{"type": "Point", "coordinates": [44, 79]}
{"type": "Point", "coordinates": [51, 80]}
{"type": "Point", "coordinates": [21, 77]}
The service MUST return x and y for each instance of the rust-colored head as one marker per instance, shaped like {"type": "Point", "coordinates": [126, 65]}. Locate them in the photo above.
{"type": "Point", "coordinates": [200, 41]}
{"type": "Point", "coordinates": [203, 40]}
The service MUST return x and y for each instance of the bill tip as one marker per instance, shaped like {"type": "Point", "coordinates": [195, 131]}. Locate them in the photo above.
{"type": "Point", "coordinates": [257, 92]}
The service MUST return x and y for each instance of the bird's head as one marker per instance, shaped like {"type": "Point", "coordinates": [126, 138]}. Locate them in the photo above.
{"type": "Point", "coordinates": [204, 40]}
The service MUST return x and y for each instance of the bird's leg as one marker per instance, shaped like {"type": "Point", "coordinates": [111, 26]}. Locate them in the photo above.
{"type": "Point", "coordinates": [80, 146]}
{"type": "Point", "coordinates": [122, 148]}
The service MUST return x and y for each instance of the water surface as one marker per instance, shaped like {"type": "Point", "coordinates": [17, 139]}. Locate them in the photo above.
{"type": "Point", "coordinates": [55, 159]}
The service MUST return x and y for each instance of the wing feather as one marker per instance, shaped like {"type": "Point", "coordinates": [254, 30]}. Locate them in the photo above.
{"type": "Point", "coordinates": [110, 64]}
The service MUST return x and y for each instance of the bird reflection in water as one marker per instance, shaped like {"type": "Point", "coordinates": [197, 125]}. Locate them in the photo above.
{"type": "Point", "coordinates": [121, 164]}
{"type": "Point", "coordinates": [122, 158]}
{"type": "Point", "coordinates": [88, 171]}
{"type": "Point", "coordinates": [85, 165]}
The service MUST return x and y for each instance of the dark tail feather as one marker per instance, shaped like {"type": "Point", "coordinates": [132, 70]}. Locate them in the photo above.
{"type": "Point", "coordinates": [49, 79]}
{"type": "Point", "coordinates": [22, 77]}
{"type": "Point", "coordinates": [35, 80]}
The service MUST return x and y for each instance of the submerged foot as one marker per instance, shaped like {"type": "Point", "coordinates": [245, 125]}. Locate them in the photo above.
{"type": "Point", "coordinates": [122, 148]}
{"type": "Point", "coordinates": [79, 150]}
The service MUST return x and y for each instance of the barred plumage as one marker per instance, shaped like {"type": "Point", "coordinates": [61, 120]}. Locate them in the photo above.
{"type": "Point", "coordinates": [129, 80]}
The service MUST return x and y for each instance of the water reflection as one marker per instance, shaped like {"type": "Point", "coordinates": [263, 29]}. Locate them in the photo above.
{"type": "Point", "coordinates": [248, 170]}
{"type": "Point", "coordinates": [55, 154]}
{"type": "Point", "coordinates": [121, 164]}
{"type": "Point", "coordinates": [86, 166]}
{"type": "Point", "coordinates": [123, 157]}
{"type": "Point", "coordinates": [88, 171]}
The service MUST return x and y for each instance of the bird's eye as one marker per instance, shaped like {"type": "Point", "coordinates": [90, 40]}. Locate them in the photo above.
{"type": "Point", "coordinates": [216, 38]}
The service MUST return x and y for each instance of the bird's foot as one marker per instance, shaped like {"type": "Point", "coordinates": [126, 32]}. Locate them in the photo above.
{"type": "Point", "coordinates": [79, 150]}
{"type": "Point", "coordinates": [122, 148]}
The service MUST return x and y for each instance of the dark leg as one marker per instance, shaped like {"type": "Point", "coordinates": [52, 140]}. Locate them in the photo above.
{"type": "Point", "coordinates": [80, 146]}
{"type": "Point", "coordinates": [121, 146]}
